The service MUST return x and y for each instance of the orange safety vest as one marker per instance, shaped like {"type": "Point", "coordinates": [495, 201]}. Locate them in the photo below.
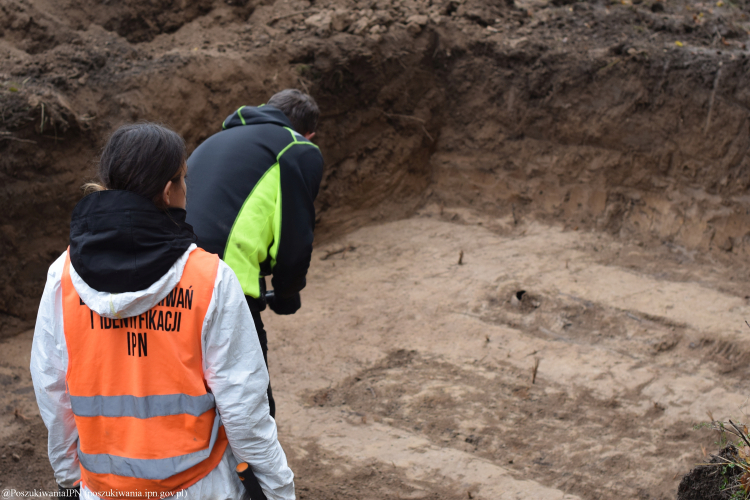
{"type": "Point", "coordinates": [146, 420]}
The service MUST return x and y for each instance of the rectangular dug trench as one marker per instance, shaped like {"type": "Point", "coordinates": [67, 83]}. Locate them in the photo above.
{"type": "Point", "coordinates": [396, 334]}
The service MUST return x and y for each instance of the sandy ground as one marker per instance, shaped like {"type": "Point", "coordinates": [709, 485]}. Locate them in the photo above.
{"type": "Point", "coordinates": [409, 375]}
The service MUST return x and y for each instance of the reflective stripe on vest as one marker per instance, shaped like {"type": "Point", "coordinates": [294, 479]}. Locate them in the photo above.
{"type": "Point", "coordinates": [145, 419]}
{"type": "Point", "coordinates": [163, 468]}
{"type": "Point", "coordinates": [145, 407]}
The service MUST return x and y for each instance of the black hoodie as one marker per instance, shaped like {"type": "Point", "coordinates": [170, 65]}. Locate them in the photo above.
{"type": "Point", "coordinates": [121, 242]}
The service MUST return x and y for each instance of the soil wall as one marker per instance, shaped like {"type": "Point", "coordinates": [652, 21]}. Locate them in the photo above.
{"type": "Point", "coordinates": [590, 114]}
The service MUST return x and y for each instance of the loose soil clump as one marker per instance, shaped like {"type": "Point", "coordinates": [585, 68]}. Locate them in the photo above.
{"type": "Point", "coordinates": [710, 482]}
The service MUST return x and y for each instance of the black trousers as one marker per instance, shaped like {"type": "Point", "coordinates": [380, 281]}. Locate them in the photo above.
{"type": "Point", "coordinates": [264, 346]}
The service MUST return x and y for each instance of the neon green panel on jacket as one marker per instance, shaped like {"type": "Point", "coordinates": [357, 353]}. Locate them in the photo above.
{"type": "Point", "coordinates": [256, 227]}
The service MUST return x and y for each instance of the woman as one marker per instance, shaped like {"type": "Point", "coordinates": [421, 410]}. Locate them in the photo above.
{"type": "Point", "coordinates": [146, 365]}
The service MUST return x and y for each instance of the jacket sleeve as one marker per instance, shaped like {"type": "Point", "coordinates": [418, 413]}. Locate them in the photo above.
{"type": "Point", "coordinates": [49, 364]}
{"type": "Point", "coordinates": [236, 374]}
{"type": "Point", "coordinates": [301, 170]}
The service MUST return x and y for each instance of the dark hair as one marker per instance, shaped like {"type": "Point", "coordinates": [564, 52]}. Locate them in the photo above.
{"type": "Point", "coordinates": [141, 158]}
{"type": "Point", "coordinates": [301, 109]}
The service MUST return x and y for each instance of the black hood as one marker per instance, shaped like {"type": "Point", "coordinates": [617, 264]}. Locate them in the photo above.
{"type": "Point", "coordinates": [250, 115]}
{"type": "Point", "coordinates": [121, 242]}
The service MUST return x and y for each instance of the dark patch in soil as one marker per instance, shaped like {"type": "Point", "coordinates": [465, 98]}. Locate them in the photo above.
{"type": "Point", "coordinates": [319, 475]}
{"type": "Point", "coordinates": [492, 410]}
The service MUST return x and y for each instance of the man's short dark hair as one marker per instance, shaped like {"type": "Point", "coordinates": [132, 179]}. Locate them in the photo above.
{"type": "Point", "coordinates": [300, 108]}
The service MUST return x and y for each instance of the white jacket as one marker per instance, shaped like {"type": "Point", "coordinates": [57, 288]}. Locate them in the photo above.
{"type": "Point", "coordinates": [232, 362]}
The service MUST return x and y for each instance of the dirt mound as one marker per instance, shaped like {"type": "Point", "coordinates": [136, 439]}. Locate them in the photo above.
{"type": "Point", "coordinates": [709, 482]}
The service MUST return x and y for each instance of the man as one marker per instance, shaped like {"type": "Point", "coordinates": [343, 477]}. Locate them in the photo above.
{"type": "Point", "coordinates": [251, 192]}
